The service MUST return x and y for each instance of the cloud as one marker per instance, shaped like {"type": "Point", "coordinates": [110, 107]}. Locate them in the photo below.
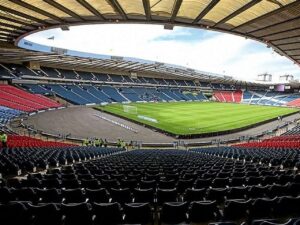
{"type": "Point", "coordinates": [198, 49]}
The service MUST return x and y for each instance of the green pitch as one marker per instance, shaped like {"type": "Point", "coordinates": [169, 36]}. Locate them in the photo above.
{"type": "Point", "coordinates": [184, 118]}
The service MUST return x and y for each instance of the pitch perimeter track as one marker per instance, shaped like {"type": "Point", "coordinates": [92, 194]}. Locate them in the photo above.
{"type": "Point", "coordinates": [81, 122]}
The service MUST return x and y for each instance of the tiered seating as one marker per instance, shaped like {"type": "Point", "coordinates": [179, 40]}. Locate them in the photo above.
{"type": "Point", "coordinates": [50, 72]}
{"type": "Point", "coordinates": [219, 96]}
{"type": "Point", "coordinates": [181, 96]}
{"type": "Point", "coordinates": [82, 91]}
{"type": "Point", "coordinates": [247, 97]}
{"type": "Point", "coordinates": [98, 93]}
{"type": "Point", "coordinates": [6, 114]}
{"type": "Point", "coordinates": [237, 96]}
{"type": "Point", "coordinates": [67, 94]}
{"type": "Point", "coordinates": [130, 94]}
{"type": "Point", "coordinates": [290, 141]}
{"type": "Point", "coordinates": [13, 105]}
{"type": "Point", "coordinates": [27, 158]}
{"type": "Point", "coordinates": [14, 70]}
{"type": "Point", "coordinates": [270, 98]}
{"type": "Point", "coordinates": [18, 99]}
{"type": "Point", "coordinates": [36, 89]}
{"type": "Point", "coordinates": [171, 94]}
{"type": "Point", "coordinates": [228, 96]}
{"type": "Point", "coordinates": [88, 94]}
{"type": "Point", "coordinates": [25, 141]}
{"type": "Point", "coordinates": [113, 94]}
{"type": "Point", "coordinates": [295, 130]}
{"type": "Point", "coordinates": [287, 158]}
{"type": "Point", "coordinates": [294, 103]}
{"type": "Point", "coordinates": [167, 186]}
{"type": "Point", "coordinates": [68, 74]}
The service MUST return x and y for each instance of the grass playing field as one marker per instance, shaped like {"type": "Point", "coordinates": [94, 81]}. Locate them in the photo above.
{"type": "Point", "coordinates": [185, 118]}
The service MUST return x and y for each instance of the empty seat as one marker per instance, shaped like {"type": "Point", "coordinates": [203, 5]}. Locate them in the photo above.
{"type": "Point", "coordinates": [138, 213]}
{"type": "Point", "coordinates": [257, 191]}
{"type": "Point", "coordinates": [129, 183]}
{"type": "Point", "coordinates": [236, 209]}
{"type": "Point", "coordinates": [26, 194]}
{"type": "Point", "coordinates": [277, 190]}
{"type": "Point", "coordinates": [182, 185]}
{"type": "Point", "coordinates": [14, 213]}
{"type": "Point", "coordinates": [97, 195]}
{"type": "Point", "coordinates": [91, 183]}
{"type": "Point", "coordinates": [217, 194]}
{"type": "Point", "coordinates": [238, 181]}
{"type": "Point", "coordinates": [51, 183]}
{"type": "Point", "coordinates": [203, 211]}
{"type": "Point", "coordinates": [166, 184]}
{"type": "Point", "coordinates": [145, 184]}
{"type": "Point", "coordinates": [108, 184]}
{"type": "Point", "coordinates": [174, 213]}
{"type": "Point", "coordinates": [262, 208]}
{"type": "Point", "coordinates": [237, 193]}
{"type": "Point", "coordinates": [70, 183]}
{"type": "Point", "coordinates": [46, 214]}
{"type": "Point", "coordinates": [107, 213]}
{"type": "Point", "coordinates": [220, 182]}
{"type": "Point", "coordinates": [143, 195]}
{"type": "Point", "coordinates": [77, 214]}
{"type": "Point", "coordinates": [191, 195]}
{"type": "Point", "coordinates": [287, 206]}
{"type": "Point", "coordinates": [49, 195]}
{"type": "Point", "coordinates": [166, 195]}
{"type": "Point", "coordinates": [121, 195]}
{"type": "Point", "coordinates": [6, 195]}
{"type": "Point", "coordinates": [202, 183]}
{"type": "Point", "coordinates": [73, 196]}
{"type": "Point", "coordinates": [254, 180]}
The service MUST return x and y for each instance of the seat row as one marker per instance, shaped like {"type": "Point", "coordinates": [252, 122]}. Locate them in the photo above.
{"type": "Point", "coordinates": [89, 181]}
{"type": "Point", "coordinates": [18, 212]}
{"type": "Point", "coordinates": [126, 195]}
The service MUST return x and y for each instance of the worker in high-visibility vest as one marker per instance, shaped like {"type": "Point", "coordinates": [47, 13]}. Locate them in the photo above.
{"type": "Point", "coordinates": [3, 138]}
{"type": "Point", "coordinates": [85, 142]}
{"type": "Point", "coordinates": [97, 142]}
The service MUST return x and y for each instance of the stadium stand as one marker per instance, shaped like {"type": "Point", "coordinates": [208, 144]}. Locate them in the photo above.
{"type": "Point", "coordinates": [25, 141]}
{"type": "Point", "coordinates": [144, 186]}
{"type": "Point", "coordinates": [294, 103]}
{"type": "Point", "coordinates": [256, 183]}
{"type": "Point", "coordinates": [284, 142]}
{"type": "Point", "coordinates": [176, 90]}
{"type": "Point", "coordinates": [91, 94]}
{"type": "Point", "coordinates": [7, 114]}
{"type": "Point", "coordinates": [45, 154]}
{"type": "Point", "coordinates": [15, 98]}
{"type": "Point", "coordinates": [228, 96]}
{"type": "Point", "coordinates": [295, 130]}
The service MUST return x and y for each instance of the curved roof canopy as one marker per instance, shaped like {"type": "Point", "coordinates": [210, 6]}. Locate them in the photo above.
{"type": "Point", "coordinates": [275, 22]}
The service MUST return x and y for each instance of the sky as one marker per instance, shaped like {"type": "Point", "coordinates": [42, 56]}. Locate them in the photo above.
{"type": "Point", "coordinates": [203, 50]}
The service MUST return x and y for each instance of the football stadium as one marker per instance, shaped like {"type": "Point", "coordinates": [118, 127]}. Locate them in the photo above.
{"type": "Point", "coordinates": [160, 112]}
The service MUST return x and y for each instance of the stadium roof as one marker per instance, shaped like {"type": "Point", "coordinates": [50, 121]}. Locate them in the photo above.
{"type": "Point", "coordinates": [115, 65]}
{"type": "Point", "coordinates": [275, 22]}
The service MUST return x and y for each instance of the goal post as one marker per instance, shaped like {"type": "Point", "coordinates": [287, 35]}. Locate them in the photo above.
{"type": "Point", "coordinates": [130, 109]}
